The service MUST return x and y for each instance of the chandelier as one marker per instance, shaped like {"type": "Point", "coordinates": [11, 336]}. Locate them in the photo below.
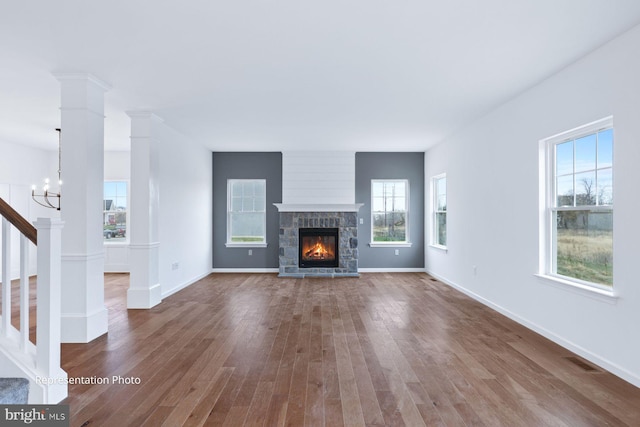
{"type": "Point", "coordinates": [49, 198]}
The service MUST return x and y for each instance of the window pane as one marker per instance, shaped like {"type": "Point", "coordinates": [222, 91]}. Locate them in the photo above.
{"type": "Point", "coordinates": [564, 190]}
{"type": "Point", "coordinates": [236, 204]}
{"type": "Point", "coordinates": [442, 203]}
{"type": "Point", "coordinates": [114, 216]}
{"type": "Point", "coordinates": [586, 189]}
{"type": "Point", "coordinates": [398, 204]}
{"type": "Point", "coordinates": [121, 188]}
{"type": "Point", "coordinates": [247, 227]}
{"type": "Point", "coordinates": [259, 189]}
{"type": "Point", "coordinates": [109, 190]}
{"type": "Point", "coordinates": [247, 188]}
{"type": "Point", "coordinates": [376, 189]}
{"type": "Point", "coordinates": [389, 227]}
{"type": "Point", "coordinates": [605, 148]}
{"type": "Point", "coordinates": [247, 204]}
{"type": "Point", "coordinates": [605, 186]}
{"type": "Point", "coordinates": [584, 245]}
{"type": "Point", "coordinates": [441, 229]}
{"type": "Point", "coordinates": [586, 153]}
{"type": "Point", "coordinates": [236, 189]}
{"type": "Point", "coordinates": [441, 186]}
{"type": "Point", "coordinates": [378, 204]}
{"type": "Point", "coordinates": [388, 188]}
{"type": "Point", "coordinates": [564, 158]}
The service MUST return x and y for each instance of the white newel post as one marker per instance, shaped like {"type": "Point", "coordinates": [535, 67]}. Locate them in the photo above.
{"type": "Point", "coordinates": [144, 282]}
{"type": "Point", "coordinates": [48, 311]}
{"type": "Point", "coordinates": [84, 316]}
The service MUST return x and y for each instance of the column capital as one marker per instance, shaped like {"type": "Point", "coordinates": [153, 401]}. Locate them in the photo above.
{"type": "Point", "coordinates": [141, 114]}
{"type": "Point", "coordinates": [83, 76]}
{"type": "Point", "coordinates": [48, 223]}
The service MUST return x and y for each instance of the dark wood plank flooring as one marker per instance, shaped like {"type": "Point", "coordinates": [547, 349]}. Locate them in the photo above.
{"type": "Point", "coordinates": [384, 349]}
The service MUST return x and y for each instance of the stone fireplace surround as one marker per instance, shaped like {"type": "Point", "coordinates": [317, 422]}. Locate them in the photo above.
{"type": "Point", "coordinates": [294, 217]}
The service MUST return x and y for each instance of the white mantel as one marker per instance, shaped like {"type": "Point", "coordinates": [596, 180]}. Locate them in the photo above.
{"type": "Point", "coordinates": [318, 207]}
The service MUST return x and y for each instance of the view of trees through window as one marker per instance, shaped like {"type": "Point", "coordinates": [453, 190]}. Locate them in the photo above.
{"type": "Point", "coordinates": [389, 210]}
{"type": "Point", "coordinates": [114, 209]}
{"type": "Point", "coordinates": [583, 212]}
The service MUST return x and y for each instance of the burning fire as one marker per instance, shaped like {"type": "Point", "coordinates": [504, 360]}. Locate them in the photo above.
{"type": "Point", "coordinates": [317, 250]}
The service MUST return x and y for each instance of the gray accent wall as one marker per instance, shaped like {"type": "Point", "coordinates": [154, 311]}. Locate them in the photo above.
{"type": "Point", "coordinates": [391, 166]}
{"type": "Point", "coordinates": [226, 166]}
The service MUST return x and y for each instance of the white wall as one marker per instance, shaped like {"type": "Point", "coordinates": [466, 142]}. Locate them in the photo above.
{"type": "Point", "coordinates": [493, 210]}
{"type": "Point", "coordinates": [327, 177]}
{"type": "Point", "coordinates": [20, 168]}
{"type": "Point", "coordinates": [117, 167]}
{"type": "Point", "coordinates": [185, 225]}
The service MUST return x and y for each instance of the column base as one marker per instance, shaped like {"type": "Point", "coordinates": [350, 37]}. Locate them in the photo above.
{"type": "Point", "coordinates": [81, 328]}
{"type": "Point", "coordinates": [144, 298]}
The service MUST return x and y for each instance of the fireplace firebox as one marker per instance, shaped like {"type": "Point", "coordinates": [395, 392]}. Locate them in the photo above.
{"type": "Point", "coordinates": [318, 247]}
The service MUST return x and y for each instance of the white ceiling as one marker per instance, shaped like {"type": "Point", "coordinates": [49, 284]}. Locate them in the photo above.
{"type": "Point", "coordinates": [364, 75]}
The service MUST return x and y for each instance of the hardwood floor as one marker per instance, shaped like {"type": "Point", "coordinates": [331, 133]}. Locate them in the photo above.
{"type": "Point", "coordinates": [384, 349]}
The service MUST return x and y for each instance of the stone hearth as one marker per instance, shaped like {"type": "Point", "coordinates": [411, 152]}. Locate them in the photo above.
{"type": "Point", "coordinates": [346, 222]}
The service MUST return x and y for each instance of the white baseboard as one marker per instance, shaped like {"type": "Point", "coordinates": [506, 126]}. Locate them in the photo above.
{"type": "Point", "coordinates": [245, 270]}
{"type": "Point", "coordinates": [184, 285]}
{"type": "Point", "coordinates": [84, 327]}
{"type": "Point", "coordinates": [590, 356]}
{"type": "Point", "coordinates": [391, 270]}
{"type": "Point", "coordinates": [360, 270]}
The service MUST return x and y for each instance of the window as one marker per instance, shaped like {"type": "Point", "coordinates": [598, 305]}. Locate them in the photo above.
{"type": "Point", "coordinates": [580, 205]}
{"type": "Point", "coordinates": [390, 212]}
{"type": "Point", "coordinates": [439, 191]}
{"type": "Point", "coordinates": [246, 212]}
{"type": "Point", "coordinates": [114, 211]}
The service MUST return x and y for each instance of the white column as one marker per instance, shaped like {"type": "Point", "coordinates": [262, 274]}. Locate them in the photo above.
{"type": "Point", "coordinates": [144, 282]}
{"type": "Point", "coordinates": [84, 316]}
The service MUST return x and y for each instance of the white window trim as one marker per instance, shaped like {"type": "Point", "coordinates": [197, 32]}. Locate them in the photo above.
{"type": "Point", "coordinates": [407, 243]}
{"type": "Point", "coordinates": [547, 208]}
{"type": "Point", "coordinates": [245, 245]}
{"type": "Point", "coordinates": [128, 231]}
{"type": "Point", "coordinates": [229, 243]}
{"type": "Point", "coordinates": [390, 244]}
{"type": "Point", "coordinates": [434, 211]}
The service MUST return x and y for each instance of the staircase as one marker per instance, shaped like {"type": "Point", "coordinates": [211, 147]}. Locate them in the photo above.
{"type": "Point", "coordinates": [38, 363]}
{"type": "Point", "coordinates": [14, 391]}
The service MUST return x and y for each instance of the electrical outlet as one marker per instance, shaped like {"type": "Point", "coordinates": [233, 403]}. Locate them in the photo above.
{"type": "Point", "coordinates": [397, 251]}
{"type": "Point", "coordinates": [361, 220]}
{"type": "Point", "coordinates": [475, 270]}
{"type": "Point", "coordinates": [175, 265]}
{"type": "Point", "coordinates": [250, 252]}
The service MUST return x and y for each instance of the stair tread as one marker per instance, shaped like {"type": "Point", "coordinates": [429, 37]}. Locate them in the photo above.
{"type": "Point", "coordinates": [14, 391]}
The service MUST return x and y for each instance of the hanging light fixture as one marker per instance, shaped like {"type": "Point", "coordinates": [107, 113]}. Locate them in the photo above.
{"type": "Point", "coordinates": [48, 197]}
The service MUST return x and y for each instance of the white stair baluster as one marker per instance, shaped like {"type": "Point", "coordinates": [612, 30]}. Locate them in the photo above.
{"type": "Point", "coordinates": [6, 277]}
{"type": "Point", "coordinates": [24, 292]}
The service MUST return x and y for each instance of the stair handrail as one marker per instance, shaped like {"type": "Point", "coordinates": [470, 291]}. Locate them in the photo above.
{"type": "Point", "coordinates": [46, 363]}
{"type": "Point", "coordinates": [18, 221]}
